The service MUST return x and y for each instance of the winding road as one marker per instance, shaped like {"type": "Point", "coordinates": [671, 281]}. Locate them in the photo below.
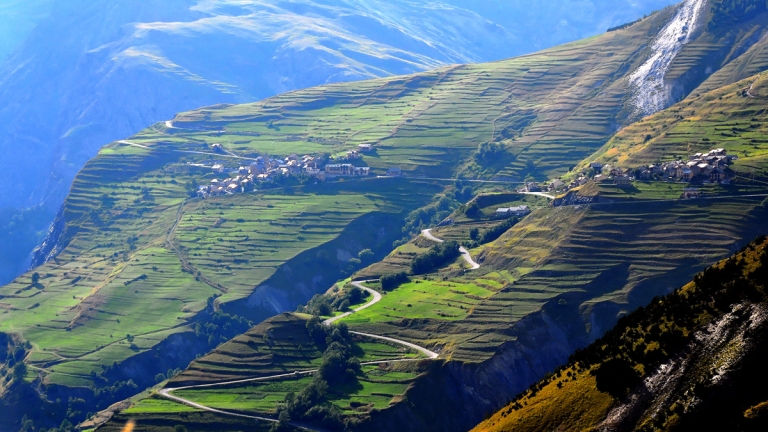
{"type": "Point", "coordinates": [168, 392]}
{"type": "Point", "coordinates": [540, 194]}
{"type": "Point", "coordinates": [376, 299]}
{"type": "Point", "coordinates": [464, 252]}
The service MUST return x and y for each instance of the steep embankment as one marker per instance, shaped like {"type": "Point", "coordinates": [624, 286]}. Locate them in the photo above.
{"type": "Point", "coordinates": [690, 361]}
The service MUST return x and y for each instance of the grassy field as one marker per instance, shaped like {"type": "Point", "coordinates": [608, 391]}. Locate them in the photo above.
{"type": "Point", "coordinates": [544, 412]}
{"type": "Point", "coordinates": [424, 299]}
{"type": "Point", "coordinates": [375, 389]}
{"type": "Point", "coordinates": [551, 109]}
{"type": "Point", "coordinates": [277, 346]}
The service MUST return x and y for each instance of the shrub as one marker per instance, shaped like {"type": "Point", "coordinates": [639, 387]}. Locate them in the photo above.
{"type": "Point", "coordinates": [437, 256]}
{"type": "Point", "coordinates": [472, 210]}
{"type": "Point", "coordinates": [319, 305]}
{"type": "Point", "coordinates": [390, 282]}
{"type": "Point", "coordinates": [19, 371]}
{"type": "Point", "coordinates": [366, 256]}
{"type": "Point", "coordinates": [489, 153]}
{"type": "Point", "coordinates": [616, 377]}
{"type": "Point", "coordinates": [497, 231]}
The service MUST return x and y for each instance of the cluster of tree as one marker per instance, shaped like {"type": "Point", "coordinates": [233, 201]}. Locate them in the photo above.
{"type": "Point", "coordinates": [489, 153]}
{"type": "Point", "coordinates": [392, 281]}
{"type": "Point", "coordinates": [663, 325]}
{"type": "Point", "coordinates": [494, 233]}
{"type": "Point", "coordinates": [12, 357]}
{"type": "Point", "coordinates": [463, 194]}
{"type": "Point", "coordinates": [472, 210]}
{"type": "Point", "coordinates": [728, 12]}
{"type": "Point", "coordinates": [221, 327]}
{"type": "Point", "coordinates": [324, 305]}
{"type": "Point", "coordinates": [28, 425]}
{"type": "Point", "coordinates": [338, 367]}
{"type": "Point", "coordinates": [437, 256]}
{"type": "Point", "coordinates": [625, 25]}
{"type": "Point", "coordinates": [192, 188]}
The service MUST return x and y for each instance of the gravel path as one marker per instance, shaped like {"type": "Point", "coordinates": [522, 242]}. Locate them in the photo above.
{"type": "Point", "coordinates": [464, 252]}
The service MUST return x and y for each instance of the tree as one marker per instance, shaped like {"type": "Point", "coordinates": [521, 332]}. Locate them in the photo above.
{"type": "Point", "coordinates": [472, 210]}
{"type": "Point", "coordinates": [366, 256]}
{"type": "Point", "coordinates": [497, 231]}
{"type": "Point", "coordinates": [35, 278]}
{"type": "Point", "coordinates": [436, 257]}
{"type": "Point", "coordinates": [616, 377]}
{"type": "Point", "coordinates": [474, 233]}
{"type": "Point", "coordinates": [283, 422]}
{"type": "Point", "coordinates": [19, 371]}
{"type": "Point", "coordinates": [489, 153]}
{"type": "Point", "coordinates": [27, 425]}
{"type": "Point", "coordinates": [392, 281]}
{"type": "Point", "coordinates": [467, 192]}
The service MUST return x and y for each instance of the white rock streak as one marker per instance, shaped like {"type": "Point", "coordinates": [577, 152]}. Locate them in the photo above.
{"type": "Point", "coordinates": [650, 93]}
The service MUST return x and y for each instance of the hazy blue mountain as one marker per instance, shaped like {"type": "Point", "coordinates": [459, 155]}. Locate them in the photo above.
{"type": "Point", "coordinates": [94, 71]}
{"type": "Point", "coordinates": [18, 18]}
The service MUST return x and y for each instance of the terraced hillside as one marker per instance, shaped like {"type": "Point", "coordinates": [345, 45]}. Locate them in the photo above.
{"type": "Point", "coordinates": [551, 109]}
{"type": "Point", "coordinates": [140, 274]}
{"type": "Point", "coordinates": [732, 117]}
{"type": "Point", "coordinates": [692, 360]}
{"type": "Point", "coordinates": [557, 280]}
{"type": "Point", "coordinates": [139, 278]}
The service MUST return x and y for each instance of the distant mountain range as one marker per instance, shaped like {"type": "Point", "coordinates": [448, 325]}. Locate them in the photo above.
{"type": "Point", "coordinates": [78, 74]}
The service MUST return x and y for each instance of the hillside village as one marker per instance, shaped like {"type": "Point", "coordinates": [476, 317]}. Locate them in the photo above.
{"type": "Point", "coordinates": [265, 170]}
{"type": "Point", "coordinates": [703, 168]}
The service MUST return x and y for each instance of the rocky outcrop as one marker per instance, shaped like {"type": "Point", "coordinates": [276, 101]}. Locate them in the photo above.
{"type": "Point", "coordinates": [51, 246]}
{"type": "Point", "coordinates": [712, 364]}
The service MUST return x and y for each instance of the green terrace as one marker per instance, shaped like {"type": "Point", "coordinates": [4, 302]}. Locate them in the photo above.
{"type": "Point", "coordinates": [282, 345]}
{"type": "Point", "coordinates": [551, 110]}
{"type": "Point", "coordinates": [139, 260]}
{"type": "Point", "coordinates": [619, 254]}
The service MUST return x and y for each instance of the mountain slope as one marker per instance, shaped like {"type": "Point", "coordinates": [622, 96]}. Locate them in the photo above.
{"type": "Point", "coordinates": [732, 117]}
{"type": "Point", "coordinates": [97, 71]}
{"type": "Point", "coordinates": [121, 58]}
{"type": "Point", "coordinates": [694, 359]}
{"type": "Point", "coordinates": [19, 17]}
{"type": "Point", "coordinates": [132, 255]}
